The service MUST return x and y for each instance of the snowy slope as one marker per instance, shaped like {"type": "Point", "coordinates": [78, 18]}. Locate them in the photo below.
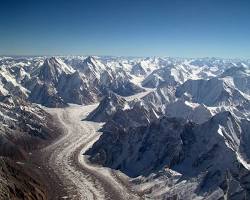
{"type": "Point", "coordinates": [169, 122]}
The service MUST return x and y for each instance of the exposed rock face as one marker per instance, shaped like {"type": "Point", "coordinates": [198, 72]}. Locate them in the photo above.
{"type": "Point", "coordinates": [213, 92]}
{"type": "Point", "coordinates": [55, 84]}
{"type": "Point", "coordinates": [24, 127]}
{"type": "Point", "coordinates": [160, 98]}
{"type": "Point", "coordinates": [138, 70]}
{"type": "Point", "coordinates": [73, 88]}
{"type": "Point", "coordinates": [136, 151]}
{"type": "Point", "coordinates": [197, 113]}
{"type": "Point", "coordinates": [138, 115]}
{"type": "Point", "coordinates": [191, 150]}
{"type": "Point", "coordinates": [170, 74]}
{"type": "Point", "coordinates": [187, 138]}
{"type": "Point", "coordinates": [107, 107]}
{"type": "Point", "coordinates": [16, 182]}
{"type": "Point", "coordinates": [240, 76]}
{"type": "Point", "coordinates": [159, 77]}
{"type": "Point", "coordinates": [9, 85]}
{"type": "Point", "coordinates": [126, 88]}
{"type": "Point", "coordinates": [47, 95]}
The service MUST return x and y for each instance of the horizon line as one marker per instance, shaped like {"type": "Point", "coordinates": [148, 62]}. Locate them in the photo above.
{"type": "Point", "coordinates": [122, 56]}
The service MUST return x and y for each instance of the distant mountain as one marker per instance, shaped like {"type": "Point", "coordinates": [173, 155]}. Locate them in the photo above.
{"type": "Point", "coordinates": [179, 128]}
{"type": "Point", "coordinates": [52, 69]}
{"type": "Point", "coordinates": [160, 76]}
{"type": "Point", "coordinates": [170, 75]}
{"type": "Point", "coordinates": [56, 84]}
{"type": "Point", "coordinates": [240, 76]}
{"type": "Point", "coordinates": [60, 84]}
{"type": "Point", "coordinates": [212, 92]}
{"type": "Point", "coordinates": [138, 70]}
{"type": "Point", "coordinates": [91, 67]}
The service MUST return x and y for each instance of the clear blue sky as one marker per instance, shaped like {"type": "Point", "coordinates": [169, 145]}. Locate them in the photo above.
{"type": "Point", "coordinates": [185, 28]}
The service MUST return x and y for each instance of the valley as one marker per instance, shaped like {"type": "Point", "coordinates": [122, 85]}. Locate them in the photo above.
{"type": "Point", "coordinates": [81, 179]}
{"type": "Point", "coordinates": [125, 128]}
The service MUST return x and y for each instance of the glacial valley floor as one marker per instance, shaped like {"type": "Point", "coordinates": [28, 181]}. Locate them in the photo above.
{"type": "Point", "coordinates": [71, 175]}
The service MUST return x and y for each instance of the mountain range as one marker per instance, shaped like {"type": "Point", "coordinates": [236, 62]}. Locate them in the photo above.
{"type": "Point", "coordinates": [179, 128]}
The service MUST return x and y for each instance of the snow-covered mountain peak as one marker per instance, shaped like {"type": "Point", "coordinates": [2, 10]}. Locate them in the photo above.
{"type": "Point", "coordinates": [92, 63]}
{"type": "Point", "coordinates": [212, 92]}
{"type": "Point", "coordinates": [173, 136]}
{"type": "Point", "coordinates": [52, 69]}
{"type": "Point", "coordinates": [10, 85]}
{"type": "Point", "coordinates": [242, 71]}
{"type": "Point", "coordinates": [59, 65]}
{"type": "Point", "coordinates": [109, 105]}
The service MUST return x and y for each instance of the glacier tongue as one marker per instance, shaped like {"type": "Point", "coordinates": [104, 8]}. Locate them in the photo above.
{"type": "Point", "coordinates": [174, 127]}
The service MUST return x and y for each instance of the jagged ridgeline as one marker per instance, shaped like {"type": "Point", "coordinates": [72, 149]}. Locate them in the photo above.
{"type": "Point", "coordinates": [178, 128]}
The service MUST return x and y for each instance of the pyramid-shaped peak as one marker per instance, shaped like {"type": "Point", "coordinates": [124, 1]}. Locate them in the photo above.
{"type": "Point", "coordinates": [90, 59]}
{"type": "Point", "coordinates": [54, 62]}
